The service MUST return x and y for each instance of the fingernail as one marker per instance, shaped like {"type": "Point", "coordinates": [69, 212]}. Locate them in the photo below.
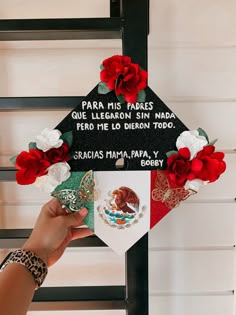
{"type": "Point", "coordinates": [83, 212]}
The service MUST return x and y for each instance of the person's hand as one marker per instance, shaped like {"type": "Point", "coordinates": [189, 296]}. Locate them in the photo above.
{"type": "Point", "coordinates": [53, 231]}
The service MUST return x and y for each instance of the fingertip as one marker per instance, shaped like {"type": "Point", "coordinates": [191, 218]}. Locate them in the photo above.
{"type": "Point", "coordinates": [83, 212]}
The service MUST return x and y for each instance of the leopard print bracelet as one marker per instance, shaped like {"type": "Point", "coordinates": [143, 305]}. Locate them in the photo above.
{"type": "Point", "coordinates": [28, 259]}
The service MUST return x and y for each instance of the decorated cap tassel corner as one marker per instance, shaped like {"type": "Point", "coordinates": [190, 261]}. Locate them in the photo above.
{"type": "Point", "coordinates": [121, 118]}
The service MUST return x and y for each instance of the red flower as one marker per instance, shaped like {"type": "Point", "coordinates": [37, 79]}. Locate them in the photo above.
{"type": "Point", "coordinates": [179, 166]}
{"type": "Point", "coordinates": [60, 154]}
{"type": "Point", "coordinates": [124, 77]}
{"type": "Point", "coordinates": [211, 164]}
{"type": "Point", "coordinates": [131, 81]}
{"type": "Point", "coordinates": [208, 165]}
{"type": "Point", "coordinates": [30, 165]}
{"type": "Point", "coordinates": [113, 67]}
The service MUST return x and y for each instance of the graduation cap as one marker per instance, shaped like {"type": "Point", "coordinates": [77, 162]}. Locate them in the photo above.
{"type": "Point", "coordinates": [126, 157]}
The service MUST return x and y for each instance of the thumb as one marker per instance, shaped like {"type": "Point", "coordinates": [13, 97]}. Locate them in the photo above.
{"type": "Point", "coordinates": [76, 218]}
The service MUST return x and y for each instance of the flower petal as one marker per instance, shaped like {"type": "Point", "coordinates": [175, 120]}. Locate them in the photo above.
{"type": "Point", "coordinates": [23, 178]}
{"type": "Point", "coordinates": [194, 184]}
{"type": "Point", "coordinates": [46, 183]}
{"type": "Point", "coordinates": [59, 171]}
{"type": "Point", "coordinates": [185, 153]}
{"type": "Point", "coordinates": [196, 165]}
{"type": "Point", "coordinates": [49, 139]}
{"type": "Point", "coordinates": [192, 140]}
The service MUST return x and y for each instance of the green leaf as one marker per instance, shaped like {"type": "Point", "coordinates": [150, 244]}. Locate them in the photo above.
{"type": "Point", "coordinates": [67, 137]}
{"type": "Point", "coordinates": [141, 96]}
{"type": "Point", "coordinates": [169, 153]}
{"type": "Point", "coordinates": [32, 145]}
{"type": "Point", "coordinates": [212, 142]}
{"type": "Point", "coordinates": [102, 88]}
{"type": "Point", "coordinates": [203, 133]}
{"type": "Point", "coordinates": [13, 159]}
{"type": "Point", "coordinates": [102, 67]}
{"type": "Point", "coordinates": [121, 98]}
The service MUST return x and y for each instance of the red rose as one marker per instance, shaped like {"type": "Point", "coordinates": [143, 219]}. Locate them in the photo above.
{"type": "Point", "coordinates": [60, 154]}
{"type": "Point", "coordinates": [179, 166]}
{"type": "Point", "coordinates": [113, 67]}
{"type": "Point", "coordinates": [30, 165]}
{"type": "Point", "coordinates": [131, 81]}
{"type": "Point", "coordinates": [211, 164]}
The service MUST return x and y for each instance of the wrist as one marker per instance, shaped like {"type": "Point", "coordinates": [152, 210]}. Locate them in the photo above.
{"type": "Point", "coordinates": [38, 251]}
{"type": "Point", "coordinates": [34, 264]}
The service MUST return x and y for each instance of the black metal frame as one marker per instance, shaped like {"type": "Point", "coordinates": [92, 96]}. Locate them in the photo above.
{"type": "Point", "coordinates": [129, 21]}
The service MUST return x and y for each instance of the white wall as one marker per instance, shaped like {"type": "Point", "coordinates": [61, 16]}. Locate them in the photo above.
{"type": "Point", "coordinates": [192, 67]}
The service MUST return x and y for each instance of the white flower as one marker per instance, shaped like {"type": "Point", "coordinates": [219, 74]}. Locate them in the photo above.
{"type": "Point", "coordinates": [46, 183]}
{"type": "Point", "coordinates": [57, 173]}
{"type": "Point", "coordinates": [192, 140]}
{"type": "Point", "coordinates": [194, 184]}
{"type": "Point", "coordinates": [48, 139]}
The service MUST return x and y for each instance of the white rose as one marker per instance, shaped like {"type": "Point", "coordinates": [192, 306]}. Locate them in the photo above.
{"type": "Point", "coordinates": [48, 139]}
{"type": "Point", "coordinates": [194, 184]}
{"type": "Point", "coordinates": [192, 140]}
{"type": "Point", "coordinates": [57, 173]}
{"type": "Point", "coordinates": [46, 183]}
